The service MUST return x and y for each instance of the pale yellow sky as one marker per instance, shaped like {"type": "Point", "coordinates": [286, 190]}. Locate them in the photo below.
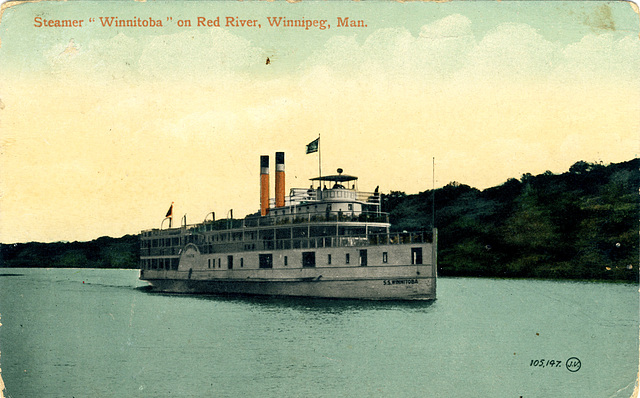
{"type": "Point", "coordinates": [103, 132]}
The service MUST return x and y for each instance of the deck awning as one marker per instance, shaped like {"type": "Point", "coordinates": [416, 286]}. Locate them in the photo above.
{"type": "Point", "coordinates": [335, 178]}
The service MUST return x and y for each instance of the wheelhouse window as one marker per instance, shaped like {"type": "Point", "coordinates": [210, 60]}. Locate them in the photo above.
{"type": "Point", "coordinates": [346, 258]}
{"type": "Point", "coordinates": [385, 257]}
{"type": "Point", "coordinates": [329, 259]}
{"type": "Point", "coordinates": [308, 259]}
{"type": "Point", "coordinates": [230, 262]}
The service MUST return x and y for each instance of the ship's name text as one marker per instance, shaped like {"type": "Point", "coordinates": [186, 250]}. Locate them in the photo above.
{"type": "Point", "coordinates": [400, 281]}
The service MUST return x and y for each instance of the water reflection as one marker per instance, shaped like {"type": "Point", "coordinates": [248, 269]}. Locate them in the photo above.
{"type": "Point", "coordinates": [305, 304]}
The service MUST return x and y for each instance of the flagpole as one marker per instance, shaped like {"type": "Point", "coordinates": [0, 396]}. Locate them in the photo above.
{"type": "Point", "coordinates": [319, 158]}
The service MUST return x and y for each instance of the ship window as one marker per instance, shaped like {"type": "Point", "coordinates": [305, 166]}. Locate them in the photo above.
{"type": "Point", "coordinates": [241, 262]}
{"type": "Point", "coordinates": [385, 257]}
{"type": "Point", "coordinates": [219, 261]}
{"type": "Point", "coordinates": [266, 260]}
{"type": "Point", "coordinates": [346, 258]}
{"type": "Point", "coordinates": [416, 255]}
{"type": "Point", "coordinates": [266, 234]}
{"type": "Point", "coordinates": [308, 259]}
{"type": "Point", "coordinates": [329, 259]}
{"type": "Point", "coordinates": [363, 257]}
{"type": "Point", "coordinates": [230, 262]}
{"type": "Point", "coordinates": [286, 261]}
{"type": "Point", "coordinates": [350, 206]}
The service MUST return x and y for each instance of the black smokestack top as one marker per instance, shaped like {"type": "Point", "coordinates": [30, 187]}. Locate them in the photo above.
{"type": "Point", "coordinates": [264, 161]}
{"type": "Point", "coordinates": [279, 157]}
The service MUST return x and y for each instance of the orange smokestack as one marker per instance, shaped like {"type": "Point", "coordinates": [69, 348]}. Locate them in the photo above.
{"type": "Point", "coordinates": [264, 185]}
{"type": "Point", "coordinates": [279, 179]}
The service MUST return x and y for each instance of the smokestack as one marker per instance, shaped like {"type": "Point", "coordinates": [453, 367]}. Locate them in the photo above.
{"type": "Point", "coordinates": [264, 185]}
{"type": "Point", "coordinates": [279, 179]}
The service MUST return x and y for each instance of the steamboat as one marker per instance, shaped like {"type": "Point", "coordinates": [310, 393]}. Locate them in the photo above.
{"type": "Point", "coordinates": [328, 241]}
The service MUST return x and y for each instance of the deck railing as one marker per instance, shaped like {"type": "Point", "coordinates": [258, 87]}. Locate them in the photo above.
{"type": "Point", "coordinates": [272, 221]}
{"type": "Point", "coordinates": [398, 238]}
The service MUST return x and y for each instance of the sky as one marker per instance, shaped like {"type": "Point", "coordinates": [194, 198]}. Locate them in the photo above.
{"type": "Point", "coordinates": [102, 128]}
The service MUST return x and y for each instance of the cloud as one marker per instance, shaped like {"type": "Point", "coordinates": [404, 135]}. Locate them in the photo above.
{"type": "Point", "coordinates": [446, 53]}
{"type": "Point", "coordinates": [197, 54]}
{"type": "Point", "coordinates": [443, 52]}
{"type": "Point", "coordinates": [601, 57]}
{"type": "Point", "coordinates": [510, 51]}
{"type": "Point", "coordinates": [193, 54]}
{"type": "Point", "coordinates": [395, 52]}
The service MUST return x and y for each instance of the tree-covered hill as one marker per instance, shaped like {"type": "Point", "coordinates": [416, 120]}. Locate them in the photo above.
{"type": "Point", "coordinates": [582, 224]}
{"type": "Point", "coordinates": [104, 252]}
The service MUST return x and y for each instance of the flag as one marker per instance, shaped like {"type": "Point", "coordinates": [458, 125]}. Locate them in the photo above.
{"type": "Point", "coordinates": [170, 212]}
{"type": "Point", "coordinates": [313, 146]}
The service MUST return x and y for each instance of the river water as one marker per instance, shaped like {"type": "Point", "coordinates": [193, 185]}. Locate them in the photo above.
{"type": "Point", "coordinates": [100, 333]}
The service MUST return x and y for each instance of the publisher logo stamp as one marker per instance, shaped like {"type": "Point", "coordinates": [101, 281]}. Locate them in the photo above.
{"type": "Point", "coordinates": [573, 364]}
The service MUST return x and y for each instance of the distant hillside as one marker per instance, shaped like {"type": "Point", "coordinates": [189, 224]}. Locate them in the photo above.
{"type": "Point", "coordinates": [103, 252]}
{"type": "Point", "coordinates": [582, 224]}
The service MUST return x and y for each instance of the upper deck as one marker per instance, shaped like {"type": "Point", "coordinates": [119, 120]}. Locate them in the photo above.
{"type": "Point", "coordinates": [327, 195]}
{"type": "Point", "coordinates": [332, 212]}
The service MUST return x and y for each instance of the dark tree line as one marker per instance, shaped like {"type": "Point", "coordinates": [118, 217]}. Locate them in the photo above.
{"type": "Point", "coordinates": [582, 224]}
{"type": "Point", "coordinates": [104, 252]}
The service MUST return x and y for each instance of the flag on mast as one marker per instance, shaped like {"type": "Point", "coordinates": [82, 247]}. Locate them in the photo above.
{"type": "Point", "coordinates": [313, 146]}
{"type": "Point", "coordinates": [170, 212]}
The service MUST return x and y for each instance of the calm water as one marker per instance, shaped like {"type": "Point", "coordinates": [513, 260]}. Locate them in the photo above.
{"type": "Point", "coordinates": [96, 333]}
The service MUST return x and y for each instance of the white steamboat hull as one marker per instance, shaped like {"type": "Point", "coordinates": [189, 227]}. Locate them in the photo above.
{"type": "Point", "coordinates": [395, 288]}
{"type": "Point", "coordinates": [383, 272]}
